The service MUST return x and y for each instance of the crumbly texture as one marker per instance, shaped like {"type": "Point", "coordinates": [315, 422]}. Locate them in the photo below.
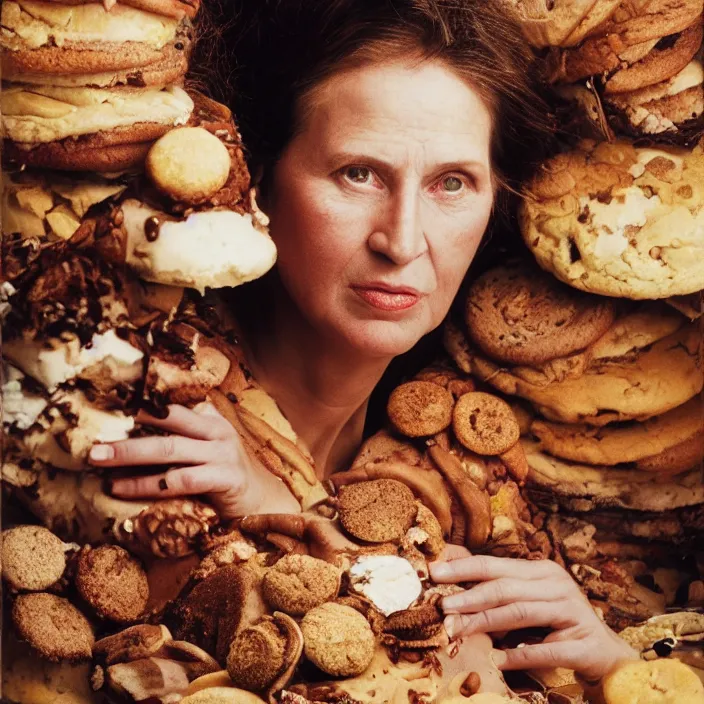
{"type": "Point", "coordinates": [676, 459]}
{"type": "Point", "coordinates": [377, 511]}
{"type": "Point", "coordinates": [113, 582]}
{"type": "Point", "coordinates": [485, 424]}
{"type": "Point", "coordinates": [256, 656]}
{"type": "Point", "coordinates": [338, 640]}
{"type": "Point", "coordinates": [298, 583]}
{"type": "Point", "coordinates": [420, 408]}
{"type": "Point", "coordinates": [222, 695]}
{"type": "Point", "coordinates": [33, 558]}
{"type": "Point", "coordinates": [521, 315]}
{"type": "Point", "coordinates": [620, 221]}
{"type": "Point", "coordinates": [53, 626]}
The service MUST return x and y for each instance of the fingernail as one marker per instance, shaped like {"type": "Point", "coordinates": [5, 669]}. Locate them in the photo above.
{"type": "Point", "coordinates": [100, 453]}
{"type": "Point", "coordinates": [163, 486]}
{"type": "Point", "coordinates": [452, 603]}
{"type": "Point", "coordinates": [440, 570]}
{"type": "Point", "coordinates": [498, 657]}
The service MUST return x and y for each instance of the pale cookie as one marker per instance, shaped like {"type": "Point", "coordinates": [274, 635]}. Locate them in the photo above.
{"type": "Point", "coordinates": [620, 221]}
{"type": "Point", "coordinates": [222, 695]}
{"type": "Point", "coordinates": [33, 558]}
{"type": "Point", "coordinates": [188, 164]}
{"type": "Point", "coordinates": [521, 315]}
{"type": "Point", "coordinates": [661, 681]}
{"type": "Point", "coordinates": [485, 424]}
{"type": "Point", "coordinates": [420, 408]}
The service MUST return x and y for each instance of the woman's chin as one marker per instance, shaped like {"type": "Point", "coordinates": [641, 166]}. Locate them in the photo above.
{"type": "Point", "coordinates": [383, 338]}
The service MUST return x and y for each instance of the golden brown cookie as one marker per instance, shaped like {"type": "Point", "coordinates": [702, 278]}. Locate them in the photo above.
{"type": "Point", "coordinates": [338, 640]}
{"type": "Point", "coordinates": [53, 626]}
{"type": "Point", "coordinates": [521, 315]}
{"type": "Point", "coordinates": [113, 582]}
{"type": "Point", "coordinates": [676, 459]}
{"type": "Point", "coordinates": [419, 408]}
{"type": "Point", "coordinates": [377, 511]}
{"type": "Point", "coordinates": [33, 558]}
{"type": "Point", "coordinates": [297, 583]}
{"type": "Point", "coordinates": [485, 424]}
{"type": "Point", "coordinates": [222, 695]}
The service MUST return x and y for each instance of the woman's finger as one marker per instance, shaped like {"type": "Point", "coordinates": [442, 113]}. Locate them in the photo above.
{"type": "Point", "coordinates": [167, 449]}
{"type": "Point", "coordinates": [499, 592]}
{"type": "Point", "coordinates": [452, 552]}
{"type": "Point", "coordinates": [202, 424]}
{"type": "Point", "coordinates": [544, 655]}
{"type": "Point", "coordinates": [184, 481]}
{"type": "Point", "coordinates": [480, 568]}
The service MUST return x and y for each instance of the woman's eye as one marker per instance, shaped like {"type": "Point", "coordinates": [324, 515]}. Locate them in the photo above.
{"type": "Point", "coordinates": [358, 174]}
{"type": "Point", "coordinates": [452, 184]}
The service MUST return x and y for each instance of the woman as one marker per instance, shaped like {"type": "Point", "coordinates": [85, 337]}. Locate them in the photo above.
{"type": "Point", "coordinates": [386, 132]}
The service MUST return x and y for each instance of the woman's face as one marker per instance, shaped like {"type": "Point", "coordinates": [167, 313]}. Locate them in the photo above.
{"type": "Point", "coordinates": [379, 203]}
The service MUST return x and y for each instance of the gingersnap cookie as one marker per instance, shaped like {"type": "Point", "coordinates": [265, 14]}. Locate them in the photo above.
{"type": "Point", "coordinates": [619, 220]}
{"type": "Point", "coordinates": [53, 626]}
{"type": "Point", "coordinates": [377, 511]}
{"type": "Point", "coordinates": [521, 315]}
{"type": "Point", "coordinates": [662, 681]}
{"type": "Point", "coordinates": [419, 408]}
{"type": "Point", "coordinates": [33, 558]}
{"type": "Point", "coordinates": [113, 582]}
{"type": "Point", "coordinates": [485, 424]}
{"type": "Point", "coordinates": [338, 640]}
{"type": "Point", "coordinates": [298, 583]}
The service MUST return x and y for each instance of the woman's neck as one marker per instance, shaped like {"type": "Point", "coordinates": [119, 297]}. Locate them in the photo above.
{"type": "Point", "coordinates": [321, 386]}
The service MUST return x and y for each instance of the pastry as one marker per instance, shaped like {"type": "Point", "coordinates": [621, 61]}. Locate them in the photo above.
{"type": "Point", "coordinates": [419, 408]}
{"type": "Point", "coordinates": [618, 220]}
{"type": "Point", "coordinates": [112, 582]}
{"type": "Point", "coordinates": [222, 695]}
{"type": "Point", "coordinates": [338, 640]}
{"type": "Point", "coordinates": [485, 424]}
{"type": "Point", "coordinates": [33, 558]}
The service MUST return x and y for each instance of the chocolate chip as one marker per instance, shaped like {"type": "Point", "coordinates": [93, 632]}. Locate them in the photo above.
{"type": "Point", "coordinates": [163, 486]}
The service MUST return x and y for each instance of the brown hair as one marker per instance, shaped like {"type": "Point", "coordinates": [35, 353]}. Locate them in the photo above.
{"type": "Point", "coordinates": [278, 51]}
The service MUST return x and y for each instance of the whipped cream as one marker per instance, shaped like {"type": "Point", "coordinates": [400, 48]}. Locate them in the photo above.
{"type": "Point", "coordinates": [389, 582]}
{"type": "Point", "coordinates": [20, 408]}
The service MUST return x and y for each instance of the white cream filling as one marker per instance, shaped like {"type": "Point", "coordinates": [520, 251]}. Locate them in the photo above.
{"type": "Point", "coordinates": [19, 407]}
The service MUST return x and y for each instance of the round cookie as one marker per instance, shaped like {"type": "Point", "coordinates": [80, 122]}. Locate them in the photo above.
{"type": "Point", "coordinates": [33, 558]}
{"type": "Point", "coordinates": [620, 221]}
{"type": "Point", "coordinates": [520, 315]}
{"type": "Point", "coordinates": [338, 640]}
{"type": "Point", "coordinates": [222, 695]}
{"type": "Point", "coordinates": [53, 626]}
{"type": "Point", "coordinates": [677, 459]}
{"type": "Point", "coordinates": [298, 583]}
{"type": "Point", "coordinates": [188, 164]}
{"type": "Point", "coordinates": [420, 408]}
{"type": "Point", "coordinates": [257, 656]}
{"type": "Point", "coordinates": [377, 511]}
{"type": "Point", "coordinates": [485, 424]}
{"type": "Point", "coordinates": [113, 582]}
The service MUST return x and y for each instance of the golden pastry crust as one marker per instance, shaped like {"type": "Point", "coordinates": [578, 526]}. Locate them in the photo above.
{"type": "Point", "coordinates": [485, 424]}
{"type": "Point", "coordinates": [33, 558]}
{"type": "Point", "coordinates": [620, 221]}
{"type": "Point", "coordinates": [298, 583]}
{"type": "Point", "coordinates": [521, 315]}
{"type": "Point", "coordinates": [338, 640]}
{"type": "Point", "coordinates": [53, 626]}
{"type": "Point", "coordinates": [377, 511]}
{"type": "Point", "coordinates": [113, 582]}
{"type": "Point", "coordinates": [420, 408]}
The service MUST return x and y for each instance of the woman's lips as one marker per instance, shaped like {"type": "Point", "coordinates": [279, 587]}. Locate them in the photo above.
{"type": "Point", "coordinates": [387, 299]}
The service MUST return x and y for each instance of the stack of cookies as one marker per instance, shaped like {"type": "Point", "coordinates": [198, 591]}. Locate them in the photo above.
{"type": "Point", "coordinates": [608, 396]}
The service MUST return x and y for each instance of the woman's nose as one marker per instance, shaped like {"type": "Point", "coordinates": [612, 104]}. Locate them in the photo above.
{"type": "Point", "coordinates": [398, 235]}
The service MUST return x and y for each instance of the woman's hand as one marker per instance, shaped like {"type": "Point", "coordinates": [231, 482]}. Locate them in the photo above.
{"type": "Point", "coordinates": [513, 594]}
{"type": "Point", "coordinates": [209, 460]}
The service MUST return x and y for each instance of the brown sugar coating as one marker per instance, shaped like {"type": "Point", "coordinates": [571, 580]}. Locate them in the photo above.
{"type": "Point", "coordinates": [256, 656]}
{"type": "Point", "coordinates": [53, 626]}
{"type": "Point", "coordinates": [298, 583]}
{"type": "Point", "coordinates": [33, 558]}
{"type": "Point", "coordinates": [420, 408]}
{"type": "Point", "coordinates": [113, 582]}
{"type": "Point", "coordinates": [485, 424]}
{"type": "Point", "coordinates": [521, 315]}
{"type": "Point", "coordinates": [338, 640]}
{"type": "Point", "coordinates": [377, 511]}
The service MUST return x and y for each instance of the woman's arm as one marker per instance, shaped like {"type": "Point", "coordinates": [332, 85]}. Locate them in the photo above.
{"type": "Point", "coordinates": [207, 457]}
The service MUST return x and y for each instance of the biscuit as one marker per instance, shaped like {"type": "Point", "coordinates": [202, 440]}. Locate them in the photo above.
{"type": "Point", "coordinates": [485, 424]}
{"type": "Point", "coordinates": [257, 656]}
{"type": "Point", "coordinates": [377, 511]}
{"type": "Point", "coordinates": [112, 582]}
{"type": "Point", "coordinates": [521, 315]}
{"type": "Point", "coordinates": [53, 626]}
{"type": "Point", "coordinates": [420, 408]}
{"type": "Point", "coordinates": [188, 164]}
{"type": "Point", "coordinates": [677, 459]}
{"type": "Point", "coordinates": [33, 558]}
{"type": "Point", "coordinates": [338, 640]}
{"type": "Point", "coordinates": [298, 583]}
{"type": "Point", "coordinates": [620, 221]}
{"type": "Point", "coordinates": [662, 681]}
{"type": "Point", "coordinates": [222, 695]}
